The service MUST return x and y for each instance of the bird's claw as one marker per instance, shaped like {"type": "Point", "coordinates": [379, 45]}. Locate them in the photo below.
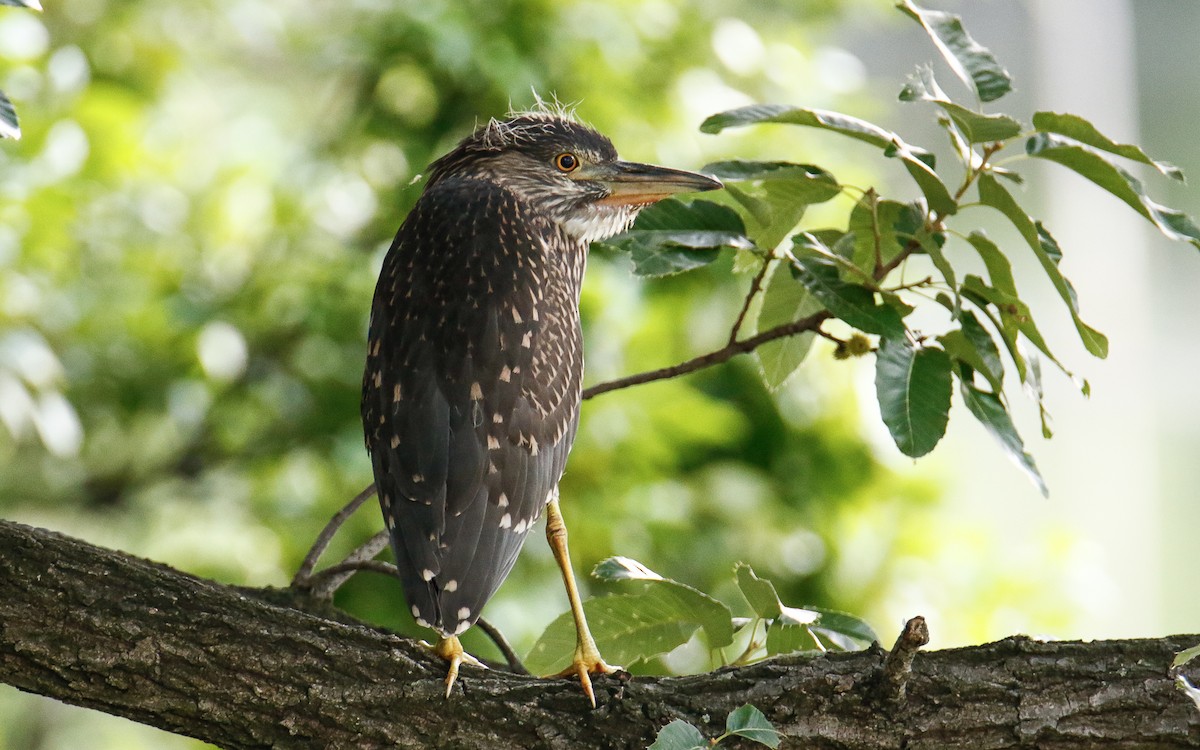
{"type": "Point", "coordinates": [585, 663]}
{"type": "Point", "coordinates": [451, 650]}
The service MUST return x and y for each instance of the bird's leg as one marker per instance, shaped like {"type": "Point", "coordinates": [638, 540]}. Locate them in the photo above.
{"type": "Point", "coordinates": [449, 648]}
{"type": "Point", "coordinates": [587, 660]}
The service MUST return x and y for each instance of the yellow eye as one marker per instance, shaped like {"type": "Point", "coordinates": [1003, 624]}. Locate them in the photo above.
{"type": "Point", "coordinates": [566, 162]}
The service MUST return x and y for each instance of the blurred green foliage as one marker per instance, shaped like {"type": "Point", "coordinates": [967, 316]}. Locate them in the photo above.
{"type": "Point", "coordinates": [190, 231]}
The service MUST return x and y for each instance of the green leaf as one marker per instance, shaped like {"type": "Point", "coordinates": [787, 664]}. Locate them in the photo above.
{"type": "Point", "coordinates": [998, 266]}
{"type": "Point", "coordinates": [1044, 247]}
{"type": "Point", "coordinates": [913, 387]}
{"type": "Point", "coordinates": [784, 300]}
{"type": "Point", "coordinates": [1079, 129]}
{"type": "Point", "coordinates": [773, 195]}
{"type": "Point", "coordinates": [9, 127]}
{"type": "Point", "coordinates": [674, 214]}
{"type": "Point", "coordinates": [882, 230]}
{"type": "Point", "coordinates": [1183, 657]}
{"type": "Point", "coordinates": [833, 622]}
{"type": "Point", "coordinates": [679, 735]}
{"type": "Point", "coordinates": [975, 127]}
{"type": "Point", "coordinates": [918, 162]}
{"type": "Point", "coordinates": [750, 723]}
{"type": "Point", "coordinates": [969, 60]}
{"type": "Point", "coordinates": [663, 253]}
{"type": "Point", "coordinates": [852, 303]}
{"type": "Point", "coordinates": [759, 592]}
{"type": "Point", "coordinates": [623, 569]}
{"type": "Point", "coordinates": [1100, 170]}
{"type": "Point", "coordinates": [974, 346]}
{"type": "Point", "coordinates": [627, 628]}
{"type": "Point", "coordinates": [993, 414]}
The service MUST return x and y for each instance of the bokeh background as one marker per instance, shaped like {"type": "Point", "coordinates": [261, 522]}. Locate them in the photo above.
{"type": "Point", "coordinates": [191, 227]}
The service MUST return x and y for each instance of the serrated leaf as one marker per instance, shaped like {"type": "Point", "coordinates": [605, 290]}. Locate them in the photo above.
{"type": "Point", "coordinates": [1079, 129]}
{"type": "Point", "coordinates": [773, 195]}
{"type": "Point", "coordinates": [784, 300]}
{"type": "Point", "coordinates": [759, 592]}
{"type": "Point", "coordinates": [636, 626]}
{"type": "Point", "coordinates": [674, 214]}
{"type": "Point", "coordinates": [913, 388]}
{"type": "Point", "coordinates": [998, 266]}
{"type": "Point", "coordinates": [750, 723]}
{"type": "Point", "coordinates": [627, 627]}
{"type": "Point", "coordinates": [1185, 656]}
{"type": "Point", "coordinates": [993, 415]}
{"type": "Point", "coordinates": [1046, 250]}
{"type": "Point", "coordinates": [974, 345]}
{"type": "Point", "coordinates": [882, 230]}
{"type": "Point", "coordinates": [919, 163]}
{"type": "Point", "coordinates": [852, 303]}
{"type": "Point", "coordinates": [970, 61]}
{"type": "Point", "coordinates": [664, 253]}
{"type": "Point", "coordinates": [623, 569]}
{"type": "Point", "coordinates": [9, 126]}
{"type": "Point", "coordinates": [1101, 171]}
{"type": "Point", "coordinates": [975, 127]}
{"type": "Point", "coordinates": [679, 735]}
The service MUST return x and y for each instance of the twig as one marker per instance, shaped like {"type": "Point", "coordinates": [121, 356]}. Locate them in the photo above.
{"type": "Point", "coordinates": [755, 286]}
{"type": "Point", "coordinates": [897, 668]}
{"type": "Point", "coordinates": [323, 539]}
{"type": "Point", "coordinates": [724, 354]}
{"type": "Point", "coordinates": [514, 661]}
{"type": "Point", "coordinates": [325, 583]}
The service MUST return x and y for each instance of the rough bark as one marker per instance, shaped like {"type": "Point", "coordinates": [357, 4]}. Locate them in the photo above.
{"type": "Point", "coordinates": [241, 669]}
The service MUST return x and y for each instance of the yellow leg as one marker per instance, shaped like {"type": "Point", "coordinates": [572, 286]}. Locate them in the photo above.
{"type": "Point", "coordinates": [451, 650]}
{"type": "Point", "coordinates": [587, 660]}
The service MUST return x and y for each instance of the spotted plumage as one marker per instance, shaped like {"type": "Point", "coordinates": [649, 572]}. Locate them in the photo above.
{"type": "Point", "coordinates": [471, 391]}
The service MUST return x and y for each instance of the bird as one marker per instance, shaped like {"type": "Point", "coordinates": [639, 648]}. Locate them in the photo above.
{"type": "Point", "coordinates": [472, 385]}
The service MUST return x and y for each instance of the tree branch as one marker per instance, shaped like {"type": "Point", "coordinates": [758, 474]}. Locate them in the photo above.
{"type": "Point", "coordinates": [244, 668]}
{"type": "Point", "coordinates": [724, 354]}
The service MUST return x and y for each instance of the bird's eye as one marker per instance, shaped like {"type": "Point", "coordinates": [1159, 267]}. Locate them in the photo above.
{"type": "Point", "coordinates": [566, 162]}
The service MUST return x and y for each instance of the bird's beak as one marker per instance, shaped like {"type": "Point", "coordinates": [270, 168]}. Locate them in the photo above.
{"type": "Point", "coordinates": [633, 184]}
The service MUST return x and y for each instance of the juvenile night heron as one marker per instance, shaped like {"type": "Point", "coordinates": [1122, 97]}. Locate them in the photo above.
{"type": "Point", "coordinates": [472, 386]}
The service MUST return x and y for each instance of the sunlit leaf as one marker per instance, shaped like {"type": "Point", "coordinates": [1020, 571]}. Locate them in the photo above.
{"type": "Point", "coordinates": [993, 414]}
{"type": "Point", "coordinates": [627, 627]}
{"type": "Point", "coordinates": [663, 252]}
{"type": "Point", "coordinates": [998, 266]}
{"type": "Point", "coordinates": [973, 345]}
{"type": "Point", "coordinates": [1079, 129]}
{"type": "Point", "coordinates": [784, 300]}
{"type": "Point", "coordinates": [759, 592]}
{"type": "Point", "coordinates": [623, 569]}
{"type": "Point", "coordinates": [975, 127]}
{"type": "Point", "coordinates": [1100, 170]}
{"type": "Point", "coordinates": [970, 61]}
{"type": "Point", "coordinates": [1185, 656]}
{"type": "Point", "coordinates": [853, 303]}
{"type": "Point", "coordinates": [750, 723]}
{"type": "Point", "coordinates": [9, 127]}
{"type": "Point", "coordinates": [913, 387]}
{"type": "Point", "coordinates": [773, 195]}
{"type": "Point", "coordinates": [679, 735]}
{"type": "Point", "coordinates": [882, 230]}
{"type": "Point", "coordinates": [993, 194]}
{"type": "Point", "coordinates": [918, 162]}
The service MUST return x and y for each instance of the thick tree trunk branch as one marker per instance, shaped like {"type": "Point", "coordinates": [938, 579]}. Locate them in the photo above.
{"type": "Point", "coordinates": [125, 636]}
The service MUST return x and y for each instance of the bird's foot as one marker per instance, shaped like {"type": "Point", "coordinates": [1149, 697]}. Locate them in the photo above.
{"type": "Point", "coordinates": [585, 663]}
{"type": "Point", "coordinates": [450, 649]}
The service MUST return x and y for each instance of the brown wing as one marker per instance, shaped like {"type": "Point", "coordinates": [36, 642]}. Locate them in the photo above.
{"type": "Point", "coordinates": [471, 391]}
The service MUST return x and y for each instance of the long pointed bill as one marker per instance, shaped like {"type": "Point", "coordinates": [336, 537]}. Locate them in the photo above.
{"type": "Point", "coordinates": [634, 184]}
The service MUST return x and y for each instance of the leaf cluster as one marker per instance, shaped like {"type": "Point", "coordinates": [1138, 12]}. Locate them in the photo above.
{"type": "Point", "coordinates": [649, 616]}
{"type": "Point", "coordinates": [808, 277]}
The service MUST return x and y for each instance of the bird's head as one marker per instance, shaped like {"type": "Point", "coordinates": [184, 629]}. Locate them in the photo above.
{"type": "Point", "coordinates": [566, 170]}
